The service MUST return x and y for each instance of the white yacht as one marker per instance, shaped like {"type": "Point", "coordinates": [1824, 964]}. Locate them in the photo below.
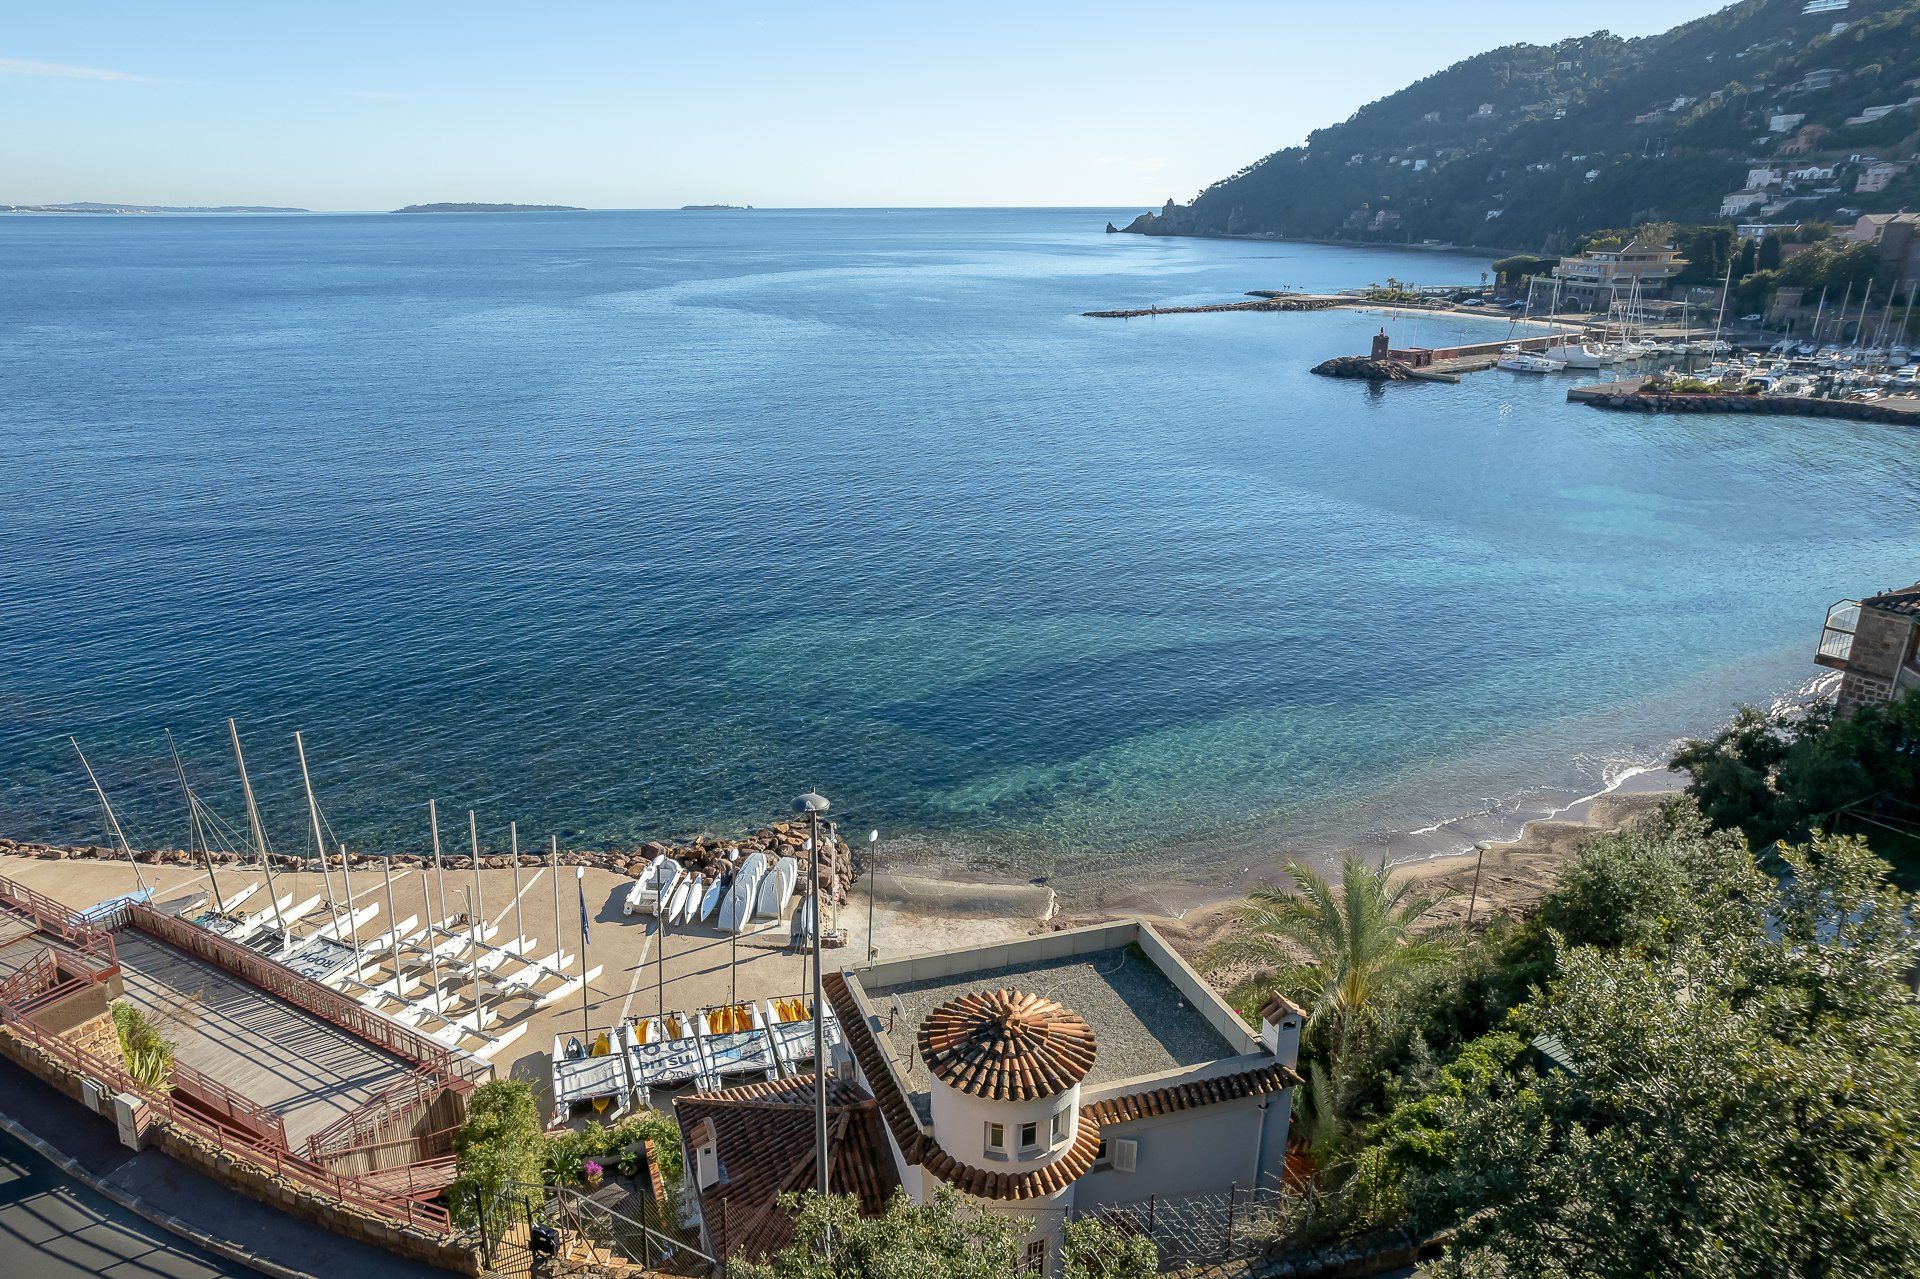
{"type": "Point", "coordinates": [1577, 355]}
{"type": "Point", "coordinates": [1514, 360]}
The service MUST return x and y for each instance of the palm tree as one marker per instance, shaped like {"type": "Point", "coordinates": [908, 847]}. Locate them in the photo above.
{"type": "Point", "coordinates": [1338, 951]}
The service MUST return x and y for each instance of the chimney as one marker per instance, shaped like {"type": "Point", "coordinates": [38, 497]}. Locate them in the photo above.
{"type": "Point", "coordinates": [1280, 1022]}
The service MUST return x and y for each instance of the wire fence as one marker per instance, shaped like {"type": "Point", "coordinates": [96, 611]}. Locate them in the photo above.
{"type": "Point", "coordinates": [527, 1230]}
{"type": "Point", "coordinates": [1223, 1233]}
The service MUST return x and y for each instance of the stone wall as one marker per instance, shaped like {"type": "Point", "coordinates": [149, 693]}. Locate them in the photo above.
{"type": "Point", "coordinates": [1880, 643]}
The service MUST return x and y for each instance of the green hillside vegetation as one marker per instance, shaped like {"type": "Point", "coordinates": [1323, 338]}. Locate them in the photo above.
{"type": "Point", "coordinates": [1530, 146]}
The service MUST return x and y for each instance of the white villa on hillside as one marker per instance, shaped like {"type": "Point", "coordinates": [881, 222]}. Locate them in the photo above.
{"type": "Point", "coordinates": [1042, 1079]}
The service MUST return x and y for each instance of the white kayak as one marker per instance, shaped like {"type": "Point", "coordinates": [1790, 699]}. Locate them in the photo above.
{"type": "Point", "coordinates": [715, 893]}
{"type": "Point", "coordinates": [689, 901]}
{"type": "Point", "coordinates": [677, 899]}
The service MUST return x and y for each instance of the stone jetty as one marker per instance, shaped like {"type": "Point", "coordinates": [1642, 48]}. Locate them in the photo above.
{"type": "Point", "coordinates": [706, 853]}
{"type": "Point", "coordinates": [1638, 396]}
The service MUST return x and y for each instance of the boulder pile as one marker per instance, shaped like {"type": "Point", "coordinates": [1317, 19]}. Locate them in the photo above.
{"type": "Point", "coordinates": [1365, 367]}
{"type": "Point", "coordinates": [704, 853]}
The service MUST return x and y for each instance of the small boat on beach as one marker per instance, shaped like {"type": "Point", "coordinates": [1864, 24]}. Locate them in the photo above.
{"type": "Point", "coordinates": [676, 898]}
{"type": "Point", "coordinates": [737, 911]}
{"type": "Point", "coordinates": [689, 902]}
{"type": "Point", "coordinates": [716, 893]}
{"type": "Point", "coordinates": [777, 888]}
{"type": "Point", "coordinates": [644, 895]}
{"type": "Point", "coordinates": [671, 876]}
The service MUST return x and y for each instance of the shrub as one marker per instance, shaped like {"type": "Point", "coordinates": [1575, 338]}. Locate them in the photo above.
{"type": "Point", "coordinates": [499, 1154]}
{"type": "Point", "coordinates": [148, 1055]}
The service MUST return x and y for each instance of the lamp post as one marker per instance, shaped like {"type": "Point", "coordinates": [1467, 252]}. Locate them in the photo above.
{"type": "Point", "coordinates": [1474, 898]}
{"type": "Point", "coordinates": [813, 804]}
{"type": "Point", "coordinates": [873, 869]}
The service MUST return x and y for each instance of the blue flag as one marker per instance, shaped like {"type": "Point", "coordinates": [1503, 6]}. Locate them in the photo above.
{"type": "Point", "coordinates": [580, 882]}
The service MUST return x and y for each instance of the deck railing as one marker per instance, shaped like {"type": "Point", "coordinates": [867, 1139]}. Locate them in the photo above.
{"type": "Point", "coordinates": [375, 1120]}
{"type": "Point", "coordinates": [327, 1004]}
{"type": "Point", "coordinates": [231, 1140]}
{"type": "Point", "coordinates": [218, 1099]}
{"type": "Point", "coordinates": [89, 941]}
{"type": "Point", "coordinates": [1836, 637]}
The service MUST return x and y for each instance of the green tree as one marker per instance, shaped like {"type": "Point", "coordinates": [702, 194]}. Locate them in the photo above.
{"type": "Point", "coordinates": [942, 1239]}
{"type": "Point", "coordinates": [1094, 1250]}
{"type": "Point", "coordinates": [1733, 774]}
{"type": "Point", "coordinates": [1767, 258]}
{"type": "Point", "coordinates": [148, 1055]}
{"type": "Point", "coordinates": [1338, 950]}
{"type": "Point", "coordinates": [1744, 261]}
{"type": "Point", "coordinates": [499, 1154]}
{"type": "Point", "coordinates": [1742, 1099]}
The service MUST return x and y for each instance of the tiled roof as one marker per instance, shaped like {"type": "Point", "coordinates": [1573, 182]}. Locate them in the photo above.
{"type": "Point", "coordinates": [1006, 1045]}
{"type": "Point", "coordinates": [1905, 601]}
{"type": "Point", "coordinates": [1279, 1006]}
{"type": "Point", "coordinates": [894, 1106]}
{"type": "Point", "coordinates": [1187, 1096]}
{"type": "Point", "coordinates": [1034, 1183]}
{"type": "Point", "coordinates": [764, 1135]}
{"type": "Point", "coordinates": [919, 1147]}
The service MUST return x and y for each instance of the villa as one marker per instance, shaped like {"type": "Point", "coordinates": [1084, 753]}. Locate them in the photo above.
{"type": "Point", "coordinates": [1602, 274]}
{"type": "Point", "coordinates": [1875, 645]}
{"type": "Point", "coordinates": [1078, 1072]}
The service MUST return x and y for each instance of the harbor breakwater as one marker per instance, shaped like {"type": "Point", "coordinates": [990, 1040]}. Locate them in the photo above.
{"type": "Point", "coordinates": [1629, 396]}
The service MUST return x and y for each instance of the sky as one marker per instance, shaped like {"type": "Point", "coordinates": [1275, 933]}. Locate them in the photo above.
{"type": "Point", "coordinates": [347, 105]}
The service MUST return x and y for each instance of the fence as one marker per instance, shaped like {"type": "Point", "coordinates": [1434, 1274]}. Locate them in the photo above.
{"type": "Point", "coordinates": [91, 946]}
{"type": "Point", "coordinates": [384, 1122]}
{"type": "Point", "coordinates": [593, 1236]}
{"type": "Point", "coordinates": [327, 1004]}
{"type": "Point", "coordinates": [1223, 1233]}
{"type": "Point", "coordinates": [228, 1139]}
{"type": "Point", "coordinates": [223, 1104]}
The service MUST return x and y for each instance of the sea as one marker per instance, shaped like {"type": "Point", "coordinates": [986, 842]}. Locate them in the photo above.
{"type": "Point", "coordinates": [632, 525]}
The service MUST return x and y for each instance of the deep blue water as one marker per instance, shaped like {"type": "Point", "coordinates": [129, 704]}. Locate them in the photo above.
{"type": "Point", "coordinates": [634, 524]}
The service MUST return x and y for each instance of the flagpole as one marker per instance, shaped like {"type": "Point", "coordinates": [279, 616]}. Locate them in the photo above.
{"type": "Point", "coordinates": [586, 1029]}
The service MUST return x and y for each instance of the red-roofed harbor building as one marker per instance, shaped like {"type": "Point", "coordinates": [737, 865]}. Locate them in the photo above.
{"type": "Point", "coordinates": [1875, 645]}
{"type": "Point", "coordinates": [1043, 1079]}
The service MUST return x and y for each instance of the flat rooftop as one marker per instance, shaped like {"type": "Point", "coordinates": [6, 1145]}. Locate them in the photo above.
{"type": "Point", "coordinates": [1142, 1023]}
{"type": "Point", "coordinates": [304, 1069]}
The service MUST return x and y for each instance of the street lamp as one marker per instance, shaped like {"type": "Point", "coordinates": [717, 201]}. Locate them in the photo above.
{"type": "Point", "coordinates": [873, 869]}
{"type": "Point", "coordinates": [813, 803]}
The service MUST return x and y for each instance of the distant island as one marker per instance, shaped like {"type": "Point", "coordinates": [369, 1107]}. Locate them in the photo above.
{"type": "Point", "coordinates": [491, 208]}
{"type": "Point", "coordinates": [88, 206]}
{"type": "Point", "coordinates": [716, 208]}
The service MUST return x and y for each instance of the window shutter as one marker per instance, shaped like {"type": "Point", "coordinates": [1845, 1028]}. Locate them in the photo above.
{"type": "Point", "coordinates": [1126, 1152]}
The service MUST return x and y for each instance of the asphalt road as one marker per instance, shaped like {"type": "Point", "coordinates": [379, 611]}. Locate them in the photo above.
{"type": "Point", "coordinates": [53, 1228]}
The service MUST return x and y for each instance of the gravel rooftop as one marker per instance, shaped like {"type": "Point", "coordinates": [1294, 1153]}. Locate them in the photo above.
{"type": "Point", "coordinates": [1142, 1024]}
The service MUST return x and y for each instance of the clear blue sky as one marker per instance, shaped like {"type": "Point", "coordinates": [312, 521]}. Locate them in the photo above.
{"type": "Point", "coordinates": [341, 105]}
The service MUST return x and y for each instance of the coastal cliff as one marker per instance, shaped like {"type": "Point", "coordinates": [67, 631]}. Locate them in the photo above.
{"type": "Point", "coordinates": [1528, 146]}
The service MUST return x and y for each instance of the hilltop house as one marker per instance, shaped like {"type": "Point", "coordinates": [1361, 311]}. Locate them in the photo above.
{"type": "Point", "coordinates": [1875, 645]}
{"type": "Point", "coordinates": [1896, 241]}
{"type": "Point", "coordinates": [1733, 205]}
{"type": "Point", "coordinates": [1042, 1079]}
{"type": "Point", "coordinates": [1602, 274]}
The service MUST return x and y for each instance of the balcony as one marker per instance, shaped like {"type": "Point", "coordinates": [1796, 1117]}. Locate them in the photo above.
{"type": "Point", "coordinates": [1836, 637]}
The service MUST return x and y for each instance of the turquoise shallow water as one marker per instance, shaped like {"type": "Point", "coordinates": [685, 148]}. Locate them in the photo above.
{"type": "Point", "coordinates": [633, 524]}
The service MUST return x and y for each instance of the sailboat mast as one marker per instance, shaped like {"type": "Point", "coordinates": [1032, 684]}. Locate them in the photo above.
{"type": "Point", "coordinates": [319, 839]}
{"type": "Point", "coordinates": [193, 825]}
{"type": "Point", "coordinates": [113, 823]}
{"type": "Point", "coordinates": [478, 918]}
{"type": "Point", "coordinates": [253, 822]}
{"type": "Point", "coordinates": [433, 928]}
{"type": "Point", "coordinates": [519, 924]}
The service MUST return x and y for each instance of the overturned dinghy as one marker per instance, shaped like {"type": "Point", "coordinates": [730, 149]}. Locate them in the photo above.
{"type": "Point", "coordinates": [737, 911]}
{"type": "Point", "coordinates": [777, 888]}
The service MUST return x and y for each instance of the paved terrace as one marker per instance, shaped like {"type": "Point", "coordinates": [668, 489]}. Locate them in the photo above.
{"type": "Point", "coordinates": [1142, 1024]}
{"type": "Point", "coordinates": [267, 1051]}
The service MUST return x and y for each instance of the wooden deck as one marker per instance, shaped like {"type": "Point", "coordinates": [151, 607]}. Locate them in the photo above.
{"type": "Point", "coordinates": [267, 1051]}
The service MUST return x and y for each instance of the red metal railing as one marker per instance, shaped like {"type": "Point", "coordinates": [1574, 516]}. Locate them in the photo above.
{"type": "Point", "coordinates": [37, 976]}
{"type": "Point", "coordinates": [216, 1099]}
{"type": "Point", "coordinates": [375, 1119]}
{"type": "Point", "coordinates": [323, 1002]}
{"type": "Point", "coordinates": [388, 1200]}
{"type": "Point", "coordinates": [91, 941]}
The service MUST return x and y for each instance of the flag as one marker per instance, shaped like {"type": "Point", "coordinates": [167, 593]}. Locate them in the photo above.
{"type": "Point", "coordinates": [580, 881]}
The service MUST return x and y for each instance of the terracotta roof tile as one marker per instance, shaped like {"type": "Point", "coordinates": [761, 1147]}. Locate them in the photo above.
{"type": "Point", "coordinates": [1189, 1095]}
{"type": "Point", "coordinates": [1034, 1183]}
{"type": "Point", "coordinates": [1278, 1006]}
{"type": "Point", "coordinates": [1906, 601]}
{"type": "Point", "coordinates": [764, 1135]}
{"type": "Point", "coordinates": [902, 1122]}
{"type": "Point", "coordinates": [1006, 1045]}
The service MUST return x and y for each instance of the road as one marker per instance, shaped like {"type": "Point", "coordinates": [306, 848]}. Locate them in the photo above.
{"type": "Point", "coordinates": [53, 1228]}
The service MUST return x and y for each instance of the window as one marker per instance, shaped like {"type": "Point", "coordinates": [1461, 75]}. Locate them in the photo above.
{"type": "Point", "coordinates": [1029, 1136]}
{"type": "Point", "coordinates": [997, 1137]}
{"type": "Point", "coordinates": [1060, 1125]}
{"type": "Point", "coordinates": [1034, 1262]}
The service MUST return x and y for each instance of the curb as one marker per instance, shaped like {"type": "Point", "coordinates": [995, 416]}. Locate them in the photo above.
{"type": "Point", "coordinates": [139, 1207]}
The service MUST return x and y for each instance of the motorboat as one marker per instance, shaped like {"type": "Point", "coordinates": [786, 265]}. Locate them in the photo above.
{"type": "Point", "coordinates": [644, 895]}
{"type": "Point", "coordinates": [1514, 360]}
{"type": "Point", "coordinates": [1576, 355]}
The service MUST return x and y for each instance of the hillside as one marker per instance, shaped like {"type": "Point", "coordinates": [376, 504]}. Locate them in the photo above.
{"type": "Point", "coordinates": [491, 208]}
{"type": "Point", "coordinates": [1527, 146]}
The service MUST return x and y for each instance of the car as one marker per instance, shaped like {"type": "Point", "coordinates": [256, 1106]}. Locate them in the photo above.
{"type": "Point", "coordinates": [1755, 318]}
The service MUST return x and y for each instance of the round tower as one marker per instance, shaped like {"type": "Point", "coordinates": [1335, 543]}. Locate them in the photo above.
{"type": "Point", "coordinates": [1005, 1069]}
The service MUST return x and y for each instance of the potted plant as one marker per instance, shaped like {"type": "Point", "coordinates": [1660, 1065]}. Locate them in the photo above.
{"type": "Point", "coordinates": [591, 1172]}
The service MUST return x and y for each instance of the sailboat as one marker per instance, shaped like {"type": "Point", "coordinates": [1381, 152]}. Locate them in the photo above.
{"type": "Point", "coordinates": [1569, 350]}
{"type": "Point", "coordinates": [1515, 360]}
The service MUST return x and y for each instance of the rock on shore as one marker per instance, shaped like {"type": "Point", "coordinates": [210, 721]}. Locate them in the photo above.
{"type": "Point", "coordinates": [1365, 367]}
{"type": "Point", "coordinates": [706, 853]}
